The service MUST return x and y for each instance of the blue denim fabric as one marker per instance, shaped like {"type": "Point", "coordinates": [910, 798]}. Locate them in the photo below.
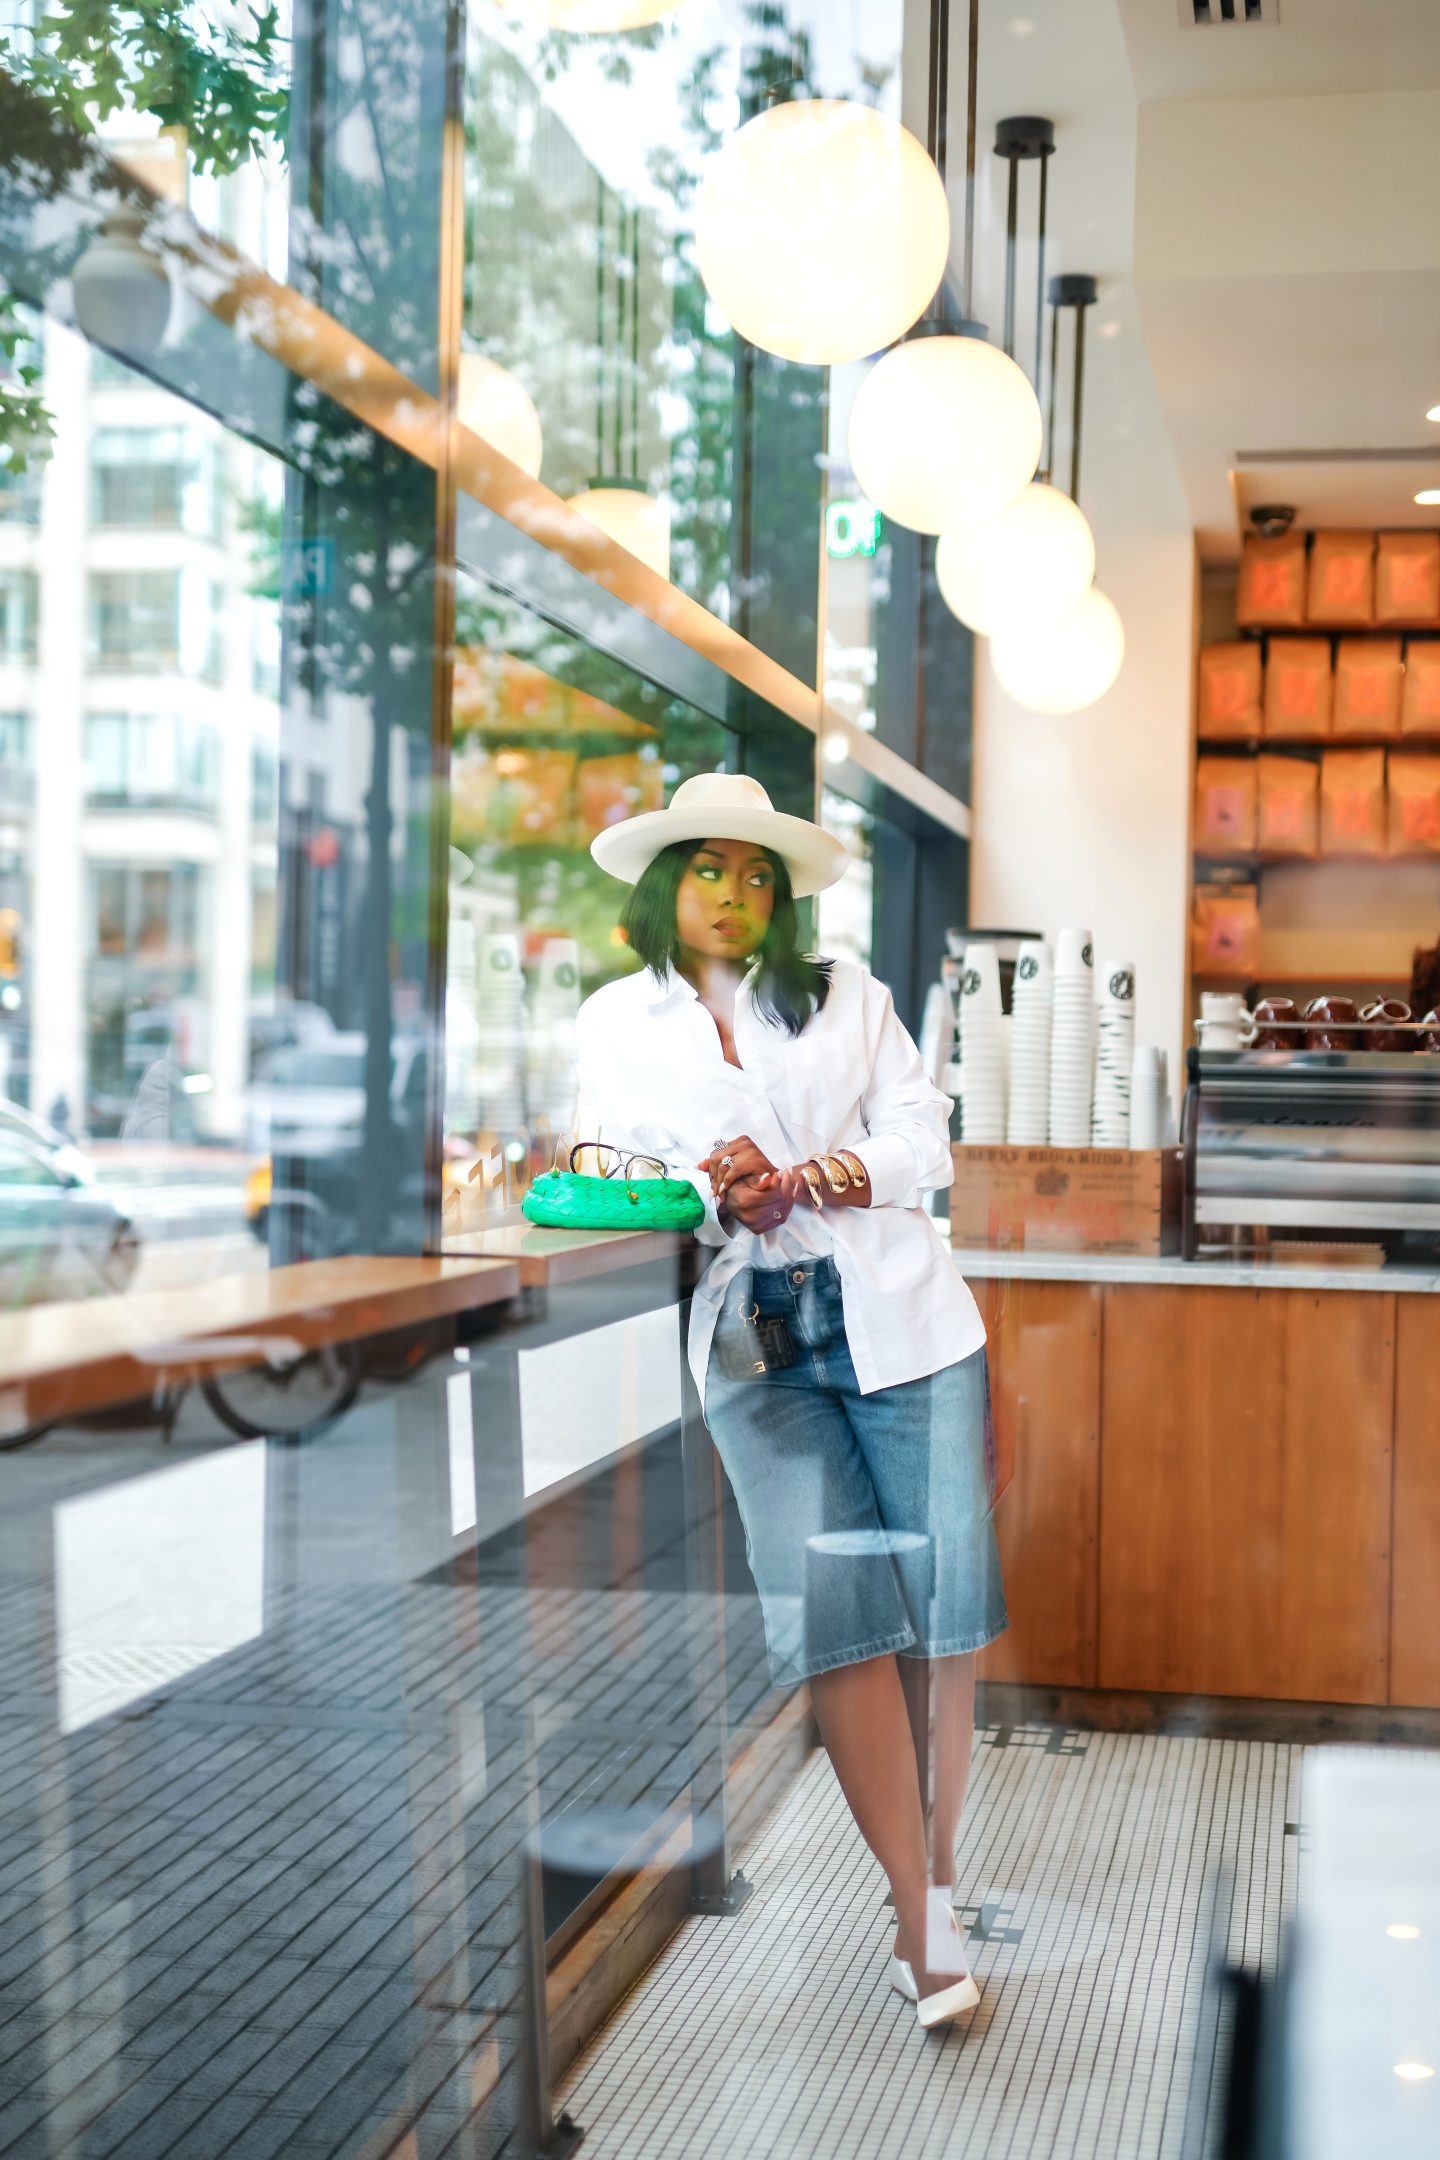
{"type": "Point", "coordinates": [868, 1522]}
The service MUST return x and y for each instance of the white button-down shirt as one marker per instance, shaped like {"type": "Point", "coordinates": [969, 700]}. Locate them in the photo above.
{"type": "Point", "coordinates": [653, 1078]}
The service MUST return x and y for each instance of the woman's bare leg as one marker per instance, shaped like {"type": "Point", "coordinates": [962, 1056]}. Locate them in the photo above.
{"type": "Point", "coordinates": [865, 1726]}
{"type": "Point", "coordinates": [953, 1680]}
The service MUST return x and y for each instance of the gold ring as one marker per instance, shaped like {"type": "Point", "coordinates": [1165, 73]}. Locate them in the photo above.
{"type": "Point", "coordinates": [811, 1176]}
{"type": "Point", "coordinates": [855, 1167]}
{"type": "Point", "coordinates": [837, 1177]}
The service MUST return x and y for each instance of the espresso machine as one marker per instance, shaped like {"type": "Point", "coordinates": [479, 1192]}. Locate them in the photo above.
{"type": "Point", "coordinates": [1339, 1145]}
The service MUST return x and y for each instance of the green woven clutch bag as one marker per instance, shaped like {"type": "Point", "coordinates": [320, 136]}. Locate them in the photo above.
{"type": "Point", "coordinates": [564, 1200]}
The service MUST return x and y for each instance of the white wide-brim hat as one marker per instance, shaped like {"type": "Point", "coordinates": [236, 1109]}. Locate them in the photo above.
{"type": "Point", "coordinates": [723, 806]}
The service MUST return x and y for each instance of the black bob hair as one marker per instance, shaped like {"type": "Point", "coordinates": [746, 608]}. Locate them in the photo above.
{"type": "Point", "coordinates": [790, 985]}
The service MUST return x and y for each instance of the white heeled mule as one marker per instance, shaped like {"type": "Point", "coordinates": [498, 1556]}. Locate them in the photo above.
{"type": "Point", "coordinates": [945, 1954]}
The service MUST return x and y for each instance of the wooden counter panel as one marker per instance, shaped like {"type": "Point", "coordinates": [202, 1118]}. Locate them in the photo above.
{"type": "Point", "coordinates": [1415, 1595]}
{"type": "Point", "coordinates": [1245, 1492]}
{"type": "Point", "coordinates": [1044, 1346]}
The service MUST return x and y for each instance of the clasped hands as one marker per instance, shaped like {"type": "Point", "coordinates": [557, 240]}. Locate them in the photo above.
{"type": "Point", "coordinates": [749, 1187]}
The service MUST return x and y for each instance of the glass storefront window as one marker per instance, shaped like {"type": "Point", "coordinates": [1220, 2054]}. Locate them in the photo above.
{"type": "Point", "coordinates": [156, 622]}
{"type": "Point", "coordinates": [584, 162]}
{"type": "Point", "coordinates": [157, 477]}
{"type": "Point", "coordinates": [845, 914]}
{"type": "Point", "coordinates": [552, 741]}
{"type": "Point", "coordinates": [151, 759]}
{"type": "Point", "coordinates": [19, 617]}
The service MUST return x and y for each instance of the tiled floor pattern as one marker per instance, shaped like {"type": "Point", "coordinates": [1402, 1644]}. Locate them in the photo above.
{"type": "Point", "coordinates": [1095, 1869]}
{"type": "Point", "coordinates": [259, 1891]}
{"type": "Point", "coordinates": [272, 1910]}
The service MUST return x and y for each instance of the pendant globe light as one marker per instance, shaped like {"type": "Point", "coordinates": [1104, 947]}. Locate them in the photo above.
{"type": "Point", "coordinates": [1065, 665]}
{"type": "Point", "coordinates": [620, 503]}
{"type": "Point", "coordinates": [945, 429]}
{"type": "Point", "coordinates": [592, 15]}
{"type": "Point", "coordinates": [1028, 564]}
{"type": "Point", "coordinates": [821, 230]}
{"type": "Point", "coordinates": [495, 404]}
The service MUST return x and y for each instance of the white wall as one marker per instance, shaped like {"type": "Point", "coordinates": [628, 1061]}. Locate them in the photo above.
{"type": "Point", "coordinates": [1086, 820]}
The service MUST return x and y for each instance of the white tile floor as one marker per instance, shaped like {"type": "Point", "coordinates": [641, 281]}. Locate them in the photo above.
{"type": "Point", "coordinates": [1089, 1870]}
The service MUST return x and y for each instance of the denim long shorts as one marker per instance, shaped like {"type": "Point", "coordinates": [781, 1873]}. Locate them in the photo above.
{"type": "Point", "coordinates": [868, 1520]}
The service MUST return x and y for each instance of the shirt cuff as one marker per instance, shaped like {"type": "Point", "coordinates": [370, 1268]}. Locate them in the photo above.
{"type": "Point", "coordinates": [890, 1166]}
{"type": "Point", "coordinates": [712, 1231]}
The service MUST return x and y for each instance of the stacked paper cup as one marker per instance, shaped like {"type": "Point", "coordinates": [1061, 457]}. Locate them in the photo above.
{"type": "Point", "coordinates": [1114, 1053]}
{"type": "Point", "coordinates": [550, 1037]}
{"type": "Point", "coordinates": [500, 1045]}
{"type": "Point", "coordinates": [1072, 1040]}
{"type": "Point", "coordinates": [982, 1048]}
{"type": "Point", "coordinates": [1027, 1121]}
{"type": "Point", "coordinates": [1149, 1098]}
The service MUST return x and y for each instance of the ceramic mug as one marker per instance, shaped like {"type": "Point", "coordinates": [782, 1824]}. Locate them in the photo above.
{"type": "Point", "coordinates": [1224, 1022]}
{"type": "Point", "coordinates": [1382, 1037]}
{"type": "Point", "coordinates": [1269, 1035]}
{"type": "Point", "coordinates": [1327, 1013]}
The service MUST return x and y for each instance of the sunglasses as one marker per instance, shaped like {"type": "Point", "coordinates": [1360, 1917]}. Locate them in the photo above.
{"type": "Point", "coordinates": [610, 1162]}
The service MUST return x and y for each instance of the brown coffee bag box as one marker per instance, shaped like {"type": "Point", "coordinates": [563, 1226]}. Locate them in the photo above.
{"type": "Point", "coordinates": [1341, 587]}
{"type": "Point", "coordinates": [1230, 677]}
{"type": "Point", "coordinates": [1271, 592]}
{"type": "Point", "coordinates": [1288, 806]}
{"type": "Point", "coordinates": [1407, 578]}
{"type": "Point", "coordinates": [1414, 803]}
{"type": "Point", "coordinates": [1368, 683]}
{"type": "Point", "coordinates": [1225, 931]}
{"type": "Point", "coordinates": [1298, 686]}
{"type": "Point", "coordinates": [1420, 700]}
{"type": "Point", "coordinates": [1352, 802]}
{"type": "Point", "coordinates": [1224, 806]}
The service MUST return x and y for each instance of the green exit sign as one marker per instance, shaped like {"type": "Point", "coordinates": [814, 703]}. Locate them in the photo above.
{"type": "Point", "coordinates": [851, 528]}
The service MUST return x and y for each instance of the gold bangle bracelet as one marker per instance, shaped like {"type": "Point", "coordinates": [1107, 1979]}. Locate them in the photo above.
{"type": "Point", "coordinates": [811, 1176]}
{"type": "Point", "coordinates": [855, 1167]}
{"type": "Point", "coordinates": [837, 1177]}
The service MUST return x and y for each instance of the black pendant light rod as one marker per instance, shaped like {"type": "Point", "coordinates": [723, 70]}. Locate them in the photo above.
{"type": "Point", "coordinates": [937, 121]}
{"type": "Point", "coordinates": [1078, 407]}
{"type": "Point", "coordinates": [937, 127]}
{"type": "Point", "coordinates": [972, 74]}
{"type": "Point", "coordinates": [1080, 292]}
{"type": "Point", "coordinates": [1011, 205]}
{"type": "Point", "coordinates": [1023, 137]}
{"type": "Point", "coordinates": [1054, 375]}
{"type": "Point", "coordinates": [1040, 269]}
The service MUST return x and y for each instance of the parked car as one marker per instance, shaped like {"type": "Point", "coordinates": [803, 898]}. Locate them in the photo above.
{"type": "Point", "coordinates": [305, 1122]}
{"type": "Point", "coordinates": [61, 1236]}
{"type": "Point", "coordinates": [57, 1145]}
{"type": "Point", "coordinates": [309, 1099]}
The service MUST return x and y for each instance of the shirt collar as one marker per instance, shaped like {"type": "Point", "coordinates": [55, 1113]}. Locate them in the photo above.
{"type": "Point", "coordinates": [674, 988]}
{"type": "Point", "coordinates": [671, 988]}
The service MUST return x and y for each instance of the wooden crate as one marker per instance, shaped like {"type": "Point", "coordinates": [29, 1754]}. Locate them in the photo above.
{"type": "Point", "coordinates": [1096, 1200]}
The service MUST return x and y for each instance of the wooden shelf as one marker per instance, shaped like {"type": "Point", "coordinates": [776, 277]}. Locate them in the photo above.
{"type": "Point", "coordinates": [1304, 978]}
{"type": "Point", "coordinates": [1428, 628]}
{"type": "Point", "coordinates": [1236, 745]}
{"type": "Point", "coordinates": [1258, 861]}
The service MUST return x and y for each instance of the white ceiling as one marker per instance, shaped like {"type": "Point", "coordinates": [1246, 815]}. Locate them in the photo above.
{"type": "Point", "coordinates": [1315, 47]}
{"type": "Point", "coordinates": [1289, 263]}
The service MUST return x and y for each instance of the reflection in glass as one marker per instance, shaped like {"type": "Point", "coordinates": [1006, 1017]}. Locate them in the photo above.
{"type": "Point", "coordinates": [155, 1577]}
{"type": "Point", "coordinates": [584, 160]}
{"type": "Point", "coordinates": [552, 742]}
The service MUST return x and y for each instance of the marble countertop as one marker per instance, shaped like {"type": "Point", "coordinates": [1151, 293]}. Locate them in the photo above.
{"type": "Point", "coordinates": [1218, 1274]}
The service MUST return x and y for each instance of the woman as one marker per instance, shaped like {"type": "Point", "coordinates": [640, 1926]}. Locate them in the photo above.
{"type": "Point", "coordinates": [838, 1354]}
